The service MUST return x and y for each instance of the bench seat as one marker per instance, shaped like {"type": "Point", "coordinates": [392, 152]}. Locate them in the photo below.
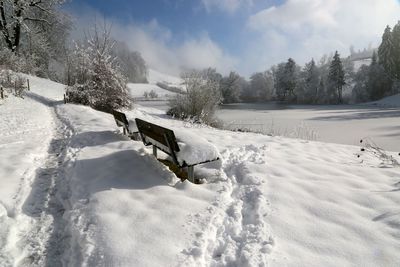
{"type": "Point", "coordinates": [185, 149]}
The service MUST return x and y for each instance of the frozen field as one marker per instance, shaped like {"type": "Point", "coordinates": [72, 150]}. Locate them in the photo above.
{"type": "Point", "coordinates": [344, 124]}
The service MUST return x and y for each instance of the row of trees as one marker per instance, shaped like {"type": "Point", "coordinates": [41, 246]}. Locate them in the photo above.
{"type": "Point", "coordinates": [287, 82]}
{"type": "Point", "coordinates": [332, 80]}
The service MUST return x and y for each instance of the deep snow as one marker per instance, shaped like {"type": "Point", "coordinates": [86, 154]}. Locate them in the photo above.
{"type": "Point", "coordinates": [95, 198]}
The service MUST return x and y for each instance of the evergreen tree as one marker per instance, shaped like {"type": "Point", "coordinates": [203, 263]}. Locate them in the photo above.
{"type": "Point", "coordinates": [378, 82]}
{"type": "Point", "coordinates": [312, 80]}
{"type": "Point", "coordinates": [396, 51]}
{"type": "Point", "coordinates": [336, 79]}
{"type": "Point", "coordinates": [386, 52]}
{"type": "Point", "coordinates": [290, 78]}
{"type": "Point", "coordinates": [279, 81]}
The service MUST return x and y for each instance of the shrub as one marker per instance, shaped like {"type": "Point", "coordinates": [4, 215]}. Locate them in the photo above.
{"type": "Point", "coordinates": [201, 99]}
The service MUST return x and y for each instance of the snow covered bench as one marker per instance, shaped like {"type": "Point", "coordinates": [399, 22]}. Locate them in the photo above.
{"type": "Point", "coordinates": [186, 150]}
{"type": "Point", "coordinates": [121, 121]}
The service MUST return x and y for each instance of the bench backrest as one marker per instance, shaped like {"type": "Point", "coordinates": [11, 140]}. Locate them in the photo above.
{"type": "Point", "coordinates": [120, 119]}
{"type": "Point", "coordinates": [161, 137]}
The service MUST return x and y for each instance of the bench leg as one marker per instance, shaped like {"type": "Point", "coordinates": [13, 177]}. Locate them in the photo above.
{"type": "Point", "coordinates": [155, 151]}
{"type": "Point", "coordinates": [191, 173]}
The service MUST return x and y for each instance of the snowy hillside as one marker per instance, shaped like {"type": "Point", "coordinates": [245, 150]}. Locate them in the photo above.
{"type": "Point", "coordinates": [359, 62]}
{"type": "Point", "coordinates": [155, 77]}
{"type": "Point", "coordinates": [390, 102]}
{"type": "Point", "coordinates": [138, 90]}
{"type": "Point", "coordinates": [74, 192]}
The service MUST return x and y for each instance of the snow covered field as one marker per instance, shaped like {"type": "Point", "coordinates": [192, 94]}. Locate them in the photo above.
{"type": "Point", "coordinates": [75, 192]}
{"type": "Point", "coordinates": [137, 90]}
{"type": "Point", "coordinates": [345, 124]}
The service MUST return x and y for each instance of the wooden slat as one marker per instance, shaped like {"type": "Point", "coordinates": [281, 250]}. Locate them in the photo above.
{"type": "Point", "coordinates": [120, 118]}
{"type": "Point", "coordinates": [157, 133]}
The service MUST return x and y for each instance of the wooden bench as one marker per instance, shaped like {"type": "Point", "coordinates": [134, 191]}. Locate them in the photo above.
{"type": "Point", "coordinates": [164, 139]}
{"type": "Point", "coordinates": [122, 121]}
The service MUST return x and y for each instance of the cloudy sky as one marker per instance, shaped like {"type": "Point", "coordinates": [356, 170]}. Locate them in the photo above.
{"type": "Point", "coordinates": [241, 35]}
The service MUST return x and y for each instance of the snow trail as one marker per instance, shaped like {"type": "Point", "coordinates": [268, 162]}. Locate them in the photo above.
{"type": "Point", "coordinates": [38, 236]}
{"type": "Point", "coordinates": [236, 235]}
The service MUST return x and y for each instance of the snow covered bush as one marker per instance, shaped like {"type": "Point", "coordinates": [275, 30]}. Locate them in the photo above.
{"type": "Point", "coordinates": [77, 94]}
{"type": "Point", "coordinates": [201, 99]}
{"type": "Point", "coordinates": [12, 82]}
{"type": "Point", "coordinates": [98, 80]}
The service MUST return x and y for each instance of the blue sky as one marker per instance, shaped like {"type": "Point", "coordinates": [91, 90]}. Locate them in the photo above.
{"type": "Point", "coordinates": [241, 35]}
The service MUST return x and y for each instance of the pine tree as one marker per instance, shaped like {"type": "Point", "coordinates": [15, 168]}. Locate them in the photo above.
{"type": "Point", "coordinates": [290, 77]}
{"type": "Point", "coordinates": [378, 82]}
{"type": "Point", "coordinates": [312, 80]}
{"type": "Point", "coordinates": [386, 52]}
{"type": "Point", "coordinates": [336, 79]}
{"type": "Point", "coordinates": [396, 51]}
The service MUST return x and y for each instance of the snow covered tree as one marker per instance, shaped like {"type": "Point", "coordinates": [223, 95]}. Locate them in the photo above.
{"type": "Point", "coordinates": [386, 52]}
{"type": "Point", "coordinates": [279, 81]}
{"type": "Point", "coordinates": [131, 63]}
{"type": "Point", "coordinates": [310, 83]}
{"type": "Point", "coordinates": [290, 78]}
{"type": "Point", "coordinates": [336, 79]}
{"type": "Point", "coordinates": [262, 85]}
{"type": "Point", "coordinates": [379, 83]}
{"type": "Point", "coordinates": [21, 16]}
{"type": "Point", "coordinates": [231, 87]}
{"type": "Point", "coordinates": [360, 89]}
{"type": "Point", "coordinates": [201, 98]}
{"type": "Point", "coordinates": [35, 31]}
{"type": "Point", "coordinates": [396, 51]}
{"type": "Point", "coordinates": [98, 77]}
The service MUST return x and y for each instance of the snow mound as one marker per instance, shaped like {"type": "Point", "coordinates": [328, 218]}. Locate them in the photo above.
{"type": "Point", "coordinates": [388, 102]}
{"type": "Point", "coordinates": [194, 149]}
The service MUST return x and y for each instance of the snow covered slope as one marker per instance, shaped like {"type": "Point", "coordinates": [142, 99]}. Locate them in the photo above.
{"type": "Point", "coordinates": [389, 102]}
{"type": "Point", "coordinates": [95, 198]}
{"type": "Point", "coordinates": [137, 90]}
{"type": "Point", "coordinates": [155, 77]}
{"type": "Point", "coordinates": [358, 63]}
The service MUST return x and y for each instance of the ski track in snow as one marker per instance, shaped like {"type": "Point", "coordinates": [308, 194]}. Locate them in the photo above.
{"type": "Point", "coordinates": [38, 236]}
{"type": "Point", "coordinates": [236, 235]}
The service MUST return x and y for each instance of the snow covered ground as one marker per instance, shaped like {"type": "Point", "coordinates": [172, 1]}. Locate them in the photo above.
{"type": "Point", "coordinates": [344, 124]}
{"type": "Point", "coordinates": [75, 192]}
{"type": "Point", "coordinates": [388, 102]}
{"type": "Point", "coordinates": [155, 77]}
{"type": "Point", "coordinates": [137, 90]}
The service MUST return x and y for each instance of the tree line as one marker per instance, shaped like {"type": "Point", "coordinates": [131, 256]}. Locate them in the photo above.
{"type": "Point", "coordinates": [333, 80]}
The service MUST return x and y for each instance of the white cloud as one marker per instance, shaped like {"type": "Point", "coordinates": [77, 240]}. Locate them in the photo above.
{"type": "Point", "coordinates": [229, 6]}
{"type": "Point", "coordinates": [159, 48]}
{"type": "Point", "coordinates": [310, 28]}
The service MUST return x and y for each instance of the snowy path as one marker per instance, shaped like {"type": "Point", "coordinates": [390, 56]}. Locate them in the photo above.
{"type": "Point", "coordinates": [31, 220]}
{"type": "Point", "coordinates": [41, 238]}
